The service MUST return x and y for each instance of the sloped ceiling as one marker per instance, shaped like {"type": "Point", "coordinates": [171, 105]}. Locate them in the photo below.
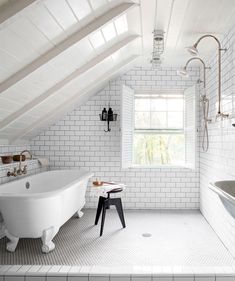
{"type": "Point", "coordinates": [55, 54]}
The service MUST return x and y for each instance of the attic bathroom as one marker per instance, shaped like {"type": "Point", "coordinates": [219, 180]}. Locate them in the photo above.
{"type": "Point", "coordinates": [117, 140]}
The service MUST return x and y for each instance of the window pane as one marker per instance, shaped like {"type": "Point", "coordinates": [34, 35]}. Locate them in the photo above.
{"type": "Point", "coordinates": [154, 146]}
{"type": "Point", "coordinates": [142, 120]}
{"type": "Point", "coordinates": [142, 104]}
{"type": "Point", "coordinates": [175, 120]}
{"type": "Point", "coordinates": [158, 104]}
{"type": "Point", "coordinates": [158, 149]}
{"type": "Point", "coordinates": [158, 120]}
{"type": "Point", "coordinates": [175, 104]}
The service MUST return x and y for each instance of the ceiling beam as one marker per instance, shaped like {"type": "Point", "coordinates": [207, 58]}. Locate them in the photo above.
{"type": "Point", "coordinates": [10, 8]}
{"type": "Point", "coordinates": [65, 44]}
{"type": "Point", "coordinates": [73, 102]}
{"type": "Point", "coordinates": [51, 91]}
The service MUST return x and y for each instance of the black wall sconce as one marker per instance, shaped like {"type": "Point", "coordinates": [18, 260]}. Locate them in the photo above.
{"type": "Point", "coordinates": [108, 116]}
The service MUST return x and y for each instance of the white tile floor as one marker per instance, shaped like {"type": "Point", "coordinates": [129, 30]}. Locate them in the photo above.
{"type": "Point", "coordinates": [179, 238]}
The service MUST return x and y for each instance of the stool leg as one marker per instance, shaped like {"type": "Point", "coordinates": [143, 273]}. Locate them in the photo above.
{"type": "Point", "coordinates": [118, 205]}
{"type": "Point", "coordinates": [99, 209]}
{"type": "Point", "coordinates": [103, 219]}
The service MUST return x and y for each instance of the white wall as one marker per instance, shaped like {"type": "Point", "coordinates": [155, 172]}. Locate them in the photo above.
{"type": "Point", "coordinates": [219, 162]}
{"type": "Point", "coordinates": [79, 140]}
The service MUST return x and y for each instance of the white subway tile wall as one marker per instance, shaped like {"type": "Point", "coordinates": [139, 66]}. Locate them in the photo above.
{"type": "Point", "coordinates": [219, 162]}
{"type": "Point", "coordinates": [33, 167]}
{"type": "Point", "coordinates": [79, 141]}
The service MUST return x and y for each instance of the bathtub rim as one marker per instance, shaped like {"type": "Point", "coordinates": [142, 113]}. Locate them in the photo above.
{"type": "Point", "coordinates": [28, 196]}
{"type": "Point", "coordinates": [219, 191]}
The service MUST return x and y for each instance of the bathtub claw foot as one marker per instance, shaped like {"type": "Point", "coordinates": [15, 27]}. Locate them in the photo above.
{"type": "Point", "coordinates": [46, 248]}
{"type": "Point", "coordinates": [80, 214]}
{"type": "Point", "coordinates": [47, 236]}
{"type": "Point", "coordinates": [11, 246]}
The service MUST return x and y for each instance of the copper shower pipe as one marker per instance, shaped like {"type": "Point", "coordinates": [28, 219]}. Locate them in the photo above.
{"type": "Point", "coordinates": [204, 68]}
{"type": "Point", "coordinates": [193, 50]}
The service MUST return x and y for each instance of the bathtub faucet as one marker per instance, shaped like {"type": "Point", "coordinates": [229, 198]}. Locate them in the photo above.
{"type": "Point", "coordinates": [21, 171]}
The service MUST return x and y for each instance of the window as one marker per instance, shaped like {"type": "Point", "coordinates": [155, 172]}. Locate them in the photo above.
{"type": "Point", "coordinates": [158, 128]}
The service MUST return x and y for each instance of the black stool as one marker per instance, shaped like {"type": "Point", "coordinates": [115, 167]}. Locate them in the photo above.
{"type": "Point", "coordinates": [105, 203]}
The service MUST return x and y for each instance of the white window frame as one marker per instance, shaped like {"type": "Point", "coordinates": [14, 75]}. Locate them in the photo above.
{"type": "Point", "coordinates": [127, 127]}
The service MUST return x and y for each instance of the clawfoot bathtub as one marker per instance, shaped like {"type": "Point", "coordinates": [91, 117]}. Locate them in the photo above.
{"type": "Point", "coordinates": [37, 206]}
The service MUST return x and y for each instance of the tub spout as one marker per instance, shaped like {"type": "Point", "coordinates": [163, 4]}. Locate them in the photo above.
{"type": "Point", "coordinates": [21, 171]}
{"type": "Point", "coordinates": [30, 154]}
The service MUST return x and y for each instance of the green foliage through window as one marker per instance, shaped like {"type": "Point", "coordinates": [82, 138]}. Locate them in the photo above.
{"type": "Point", "coordinates": [159, 131]}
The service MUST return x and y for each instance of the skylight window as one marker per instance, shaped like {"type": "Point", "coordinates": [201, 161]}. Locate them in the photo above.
{"type": "Point", "coordinates": [109, 32]}
{"type": "Point", "coordinates": [97, 39]}
{"type": "Point", "coordinates": [121, 24]}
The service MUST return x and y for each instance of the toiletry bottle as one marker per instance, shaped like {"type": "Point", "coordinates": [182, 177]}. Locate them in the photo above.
{"type": "Point", "coordinates": [104, 114]}
{"type": "Point", "coordinates": [110, 114]}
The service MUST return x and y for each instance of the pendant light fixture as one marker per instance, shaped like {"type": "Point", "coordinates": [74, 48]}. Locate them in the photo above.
{"type": "Point", "coordinates": [158, 48]}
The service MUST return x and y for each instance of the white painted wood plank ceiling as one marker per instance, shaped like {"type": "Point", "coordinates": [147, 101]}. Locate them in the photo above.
{"type": "Point", "coordinates": [51, 50]}
{"type": "Point", "coordinates": [184, 21]}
